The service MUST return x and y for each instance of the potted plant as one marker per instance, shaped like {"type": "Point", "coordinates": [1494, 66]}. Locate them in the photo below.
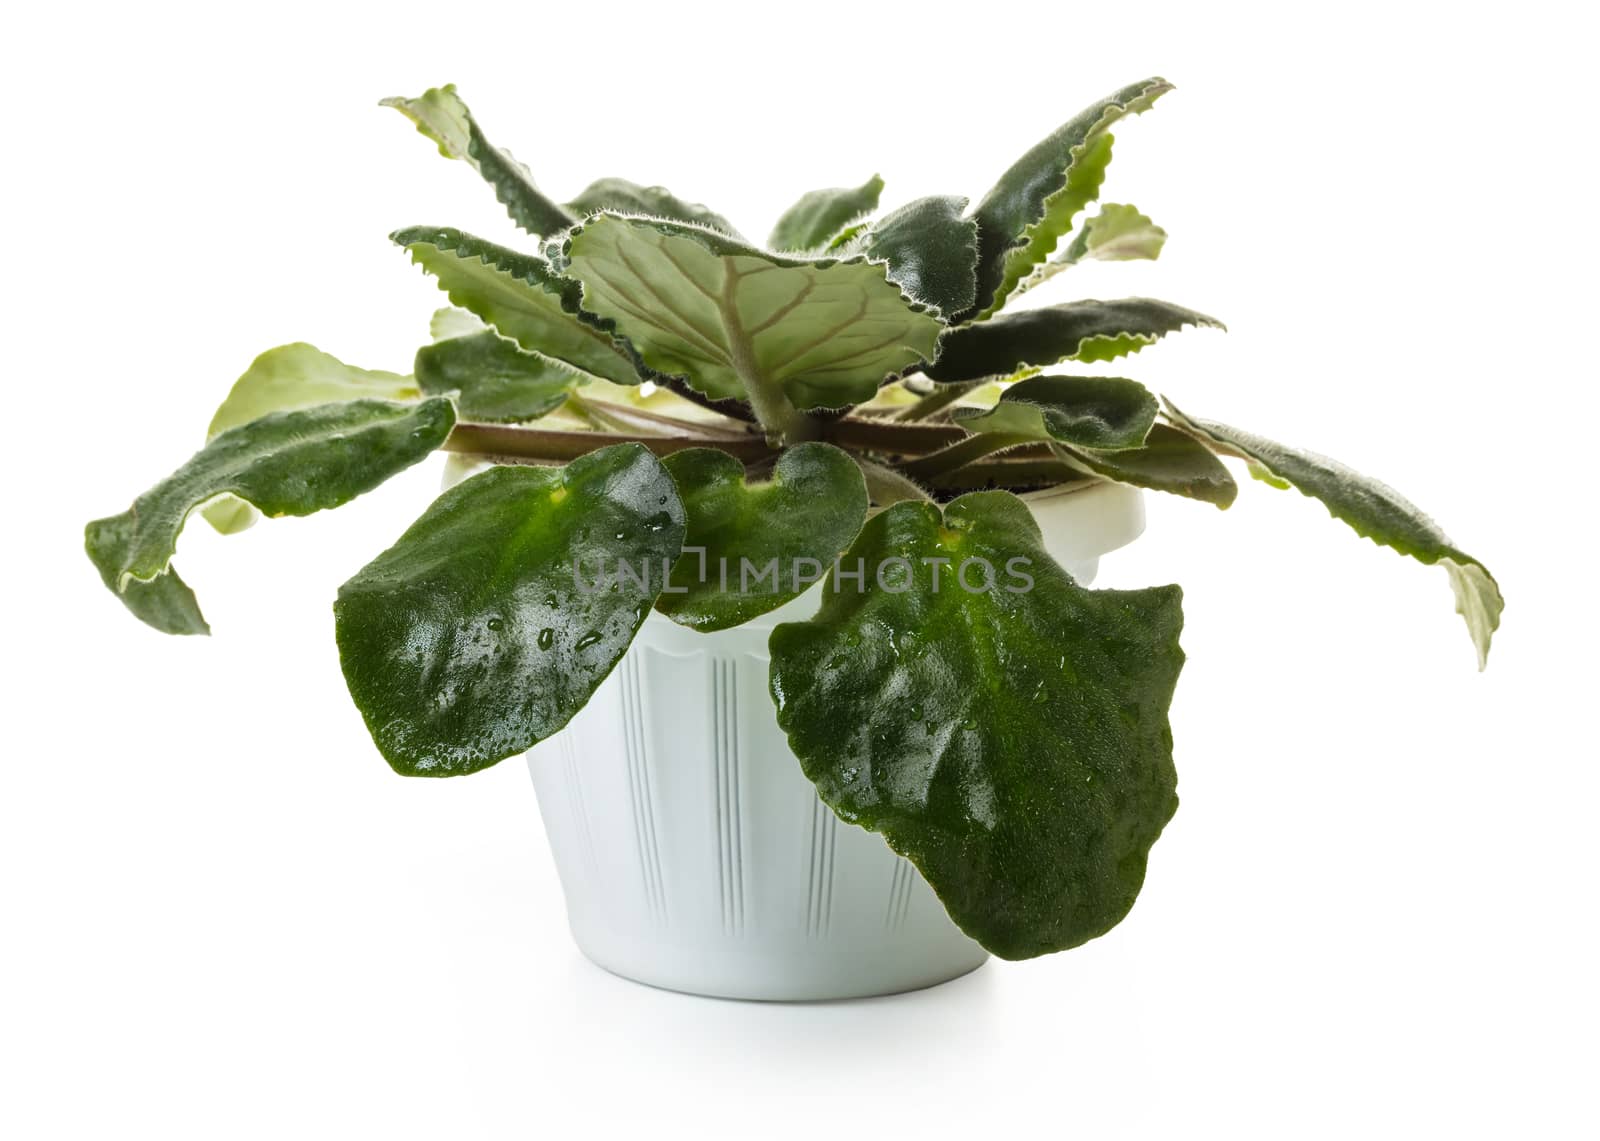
{"type": "Point", "coordinates": [783, 535]}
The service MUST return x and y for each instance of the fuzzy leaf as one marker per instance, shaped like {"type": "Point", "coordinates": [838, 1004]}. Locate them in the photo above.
{"type": "Point", "coordinates": [1039, 338]}
{"type": "Point", "coordinates": [1374, 511]}
{"type": "Point", "coordinates": [698, 304]}
{"type": "Point", "coordinates": [1013, 744]}
{"type": "Point", "coordinates": [284, 463]}
{"type": "Point", "coordinates": [810, 509]}
{"type": "Point", "coordinates": [1169, 460]}
{"type": "Point", "coordinates": [521, 296]}
{"type": "Point", "coordinates": [1103, 412]}
{"type": "Point", "coordinates": [932, 251]}
{"type": "Point", "coordinates": [620, 196]}
{"type": "Point", "coordinates": [1116, 233]}
{"type": "Point", "coordinates": [441, 115]}
{"type": "Point", "coordinates": [822, 215]}
{"type": "Point", "coordinates": [495, 381]}
{"type": "Point", "coordinates": [1035, 202]}
{"type": "Point", "coordinates": [483, 629]}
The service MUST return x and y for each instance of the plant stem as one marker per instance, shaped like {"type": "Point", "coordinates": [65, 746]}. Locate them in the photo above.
{"type": "Point", "coordinates": [962, 453]}
{"type": "Point", "coordinates": [885, 485]}
{"type": "Point", "coordinates": [518, 442]}
{"type": "Point", "coordinates": [891, 436]}
{"type": "Point", "coordinates": [936, 401]}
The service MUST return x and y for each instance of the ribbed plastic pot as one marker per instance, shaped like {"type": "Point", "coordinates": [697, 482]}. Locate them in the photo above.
{"type": "Point", "coordinates": [692, 850]}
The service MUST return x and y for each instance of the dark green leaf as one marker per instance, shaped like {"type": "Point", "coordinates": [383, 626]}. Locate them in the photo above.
{"type": "Point", "coordinates": [814, 221]}
{"type": "Point", "coordinates": [495, 380]}
{"type": "Point", "coordinates": [285, 378]}
{"type": "Point", "coordinates": [932, 252]}
{"type": "Point", "coordinates": [441, 115]}
{"type": "Point", "coordinates": [485, 628]}
{"type": "Point", "coordinates": [1035, 202]}
{"type": "Point", "coordinates": [1039, 338]}
{"type": "Point", "coordinates": [1170, 461]}
{"type": "Point", "coordinates": [284, 463]}
{"type": "Point", "coordinates": [730, 318]}
{"type": "Point", "coordinates": [1013, 744]}
{"type": "Point", "coordinates": [1374, 510]}
{"type": "Point", "coordinates": [795, 523]}
{"type": "Point", "coordinates": [1103, 412]}
{"type": "Point", "coordinates": [521, 296]}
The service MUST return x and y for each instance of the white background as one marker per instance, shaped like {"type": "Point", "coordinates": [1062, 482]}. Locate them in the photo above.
{"type": "Point", "coordinates": [1375, 913]}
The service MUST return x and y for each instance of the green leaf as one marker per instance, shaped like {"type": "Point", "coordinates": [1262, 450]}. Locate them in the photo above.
{"type": "Point", "coordinates": [1012, 743]}
{"type": "Point", "coordinates": [1374, 511]}
{"type": "Point", "coordinates": [452, 322]}
{"type": "Point", "coordinates": [794, 524]}
{"type": "Point", "coordinates": [1035, 202]}
{"type": "Point", "coordinates": [932, 251]}
{"type": "Point", "coordinates": [813, 222]}
{"type": "Point", "coordinates": [521, 296]}
{"type": "Point", "coordinates": [441, 115]}
{"type": "Point", "coordinates": [1103, 412]}
{"type": "Point", "coordinates": [302, 376]}
{"type": "Point", "coordinates": [1078, 330]}
{"type": "Point", "coordinates": [485, 628]}
{"type": "Point", "coordinates": [494, 380]}
{"type": "Point", "coordinates": [1119, 233]}
{"type": "Point", "coordinates": [1169, 460]}
{"type": "Point", "coordinates": [730, 318]}
{"type": "Point", "coordinates": [283, 379]}
{"type": "Point", "coordinates": [623, 197]}
{"type": "Point", "coordinates": [1116, 233]}
{"type": "Point", "coordinates": [284, 463]}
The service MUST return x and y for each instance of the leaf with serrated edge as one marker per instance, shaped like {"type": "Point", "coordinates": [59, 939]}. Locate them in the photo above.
{"type": "Point", "coordinates": [1077, 330]}
{"type": "Point", "coordinates": [1013, 744]}
{"type": "Point", "coordinates": [697, 304]}
{"type": "Point", "coordinates": [806, 513]}
{"type": "Point", "coordinates": [440, 115]}
{"type": "Point", "coordinates": [1035, 202]}
{"type": "Point", "coordinates": [1373, 510]}
{"type": "Point", "coordinates": [820, 216]}
{"type": "Point", "coordinates": [1116, 233]}
{"type": "Point", "coordinates": [1104, 412]}
{"type": "Point", "coordinates": [522, 296]}
{"type": "Point", "coordinates": [484, 628]}
{"type": "Point", "coordinates": [620, 196]}
{"type": "Point", "coordinates": [284, 463]}
{"type": "Point", "coordinates": [1169, 460]}
{"type": "Point", "coordinates": [931, 251]}
{"type": "Point", "coordinates": [494, 381]}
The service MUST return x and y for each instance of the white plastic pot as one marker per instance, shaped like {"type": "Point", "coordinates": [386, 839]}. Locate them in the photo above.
{"type": "Point", "coordinates": [696, 856]}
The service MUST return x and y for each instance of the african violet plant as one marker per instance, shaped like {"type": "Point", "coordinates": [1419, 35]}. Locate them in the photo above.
{"type": "Point", "coordinates": [649, 389]}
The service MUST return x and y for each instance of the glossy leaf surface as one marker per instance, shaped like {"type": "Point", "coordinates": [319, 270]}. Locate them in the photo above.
{"type": "Point", "coordinates": [1089, 411]}
{"type": "Point", "coordinates": [803, 517]}
{"type": "Point", "coordinates": [821, 215]}
{"type": "Point", "coordinates": [1013, 744]}
{"type": "Point", "coordinates": [1168, 460]}
{"type": "Point", "coordinates": [521, 296]}
{"type": "Point", "coordinates": [284, 463]}
{"type": "Point", "coordinates": [494, 380]}
{"type": "Point", "coordinates": [729, 317]}
{"type": "Point", "coordinates": [1036, 201]}
{"type": "Point", "coordinates": [932, 252]}
{"type": "Point", "coordinates": [485, 627]}
{"type": "Point", "coordinates": [1039, 338]}
{"type": "Point", "coordinates": [623, 197]}
{"type": "Point", "coordinates": [440, 115]}
{"type": "Point", "coordinates": [1374, 511]}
